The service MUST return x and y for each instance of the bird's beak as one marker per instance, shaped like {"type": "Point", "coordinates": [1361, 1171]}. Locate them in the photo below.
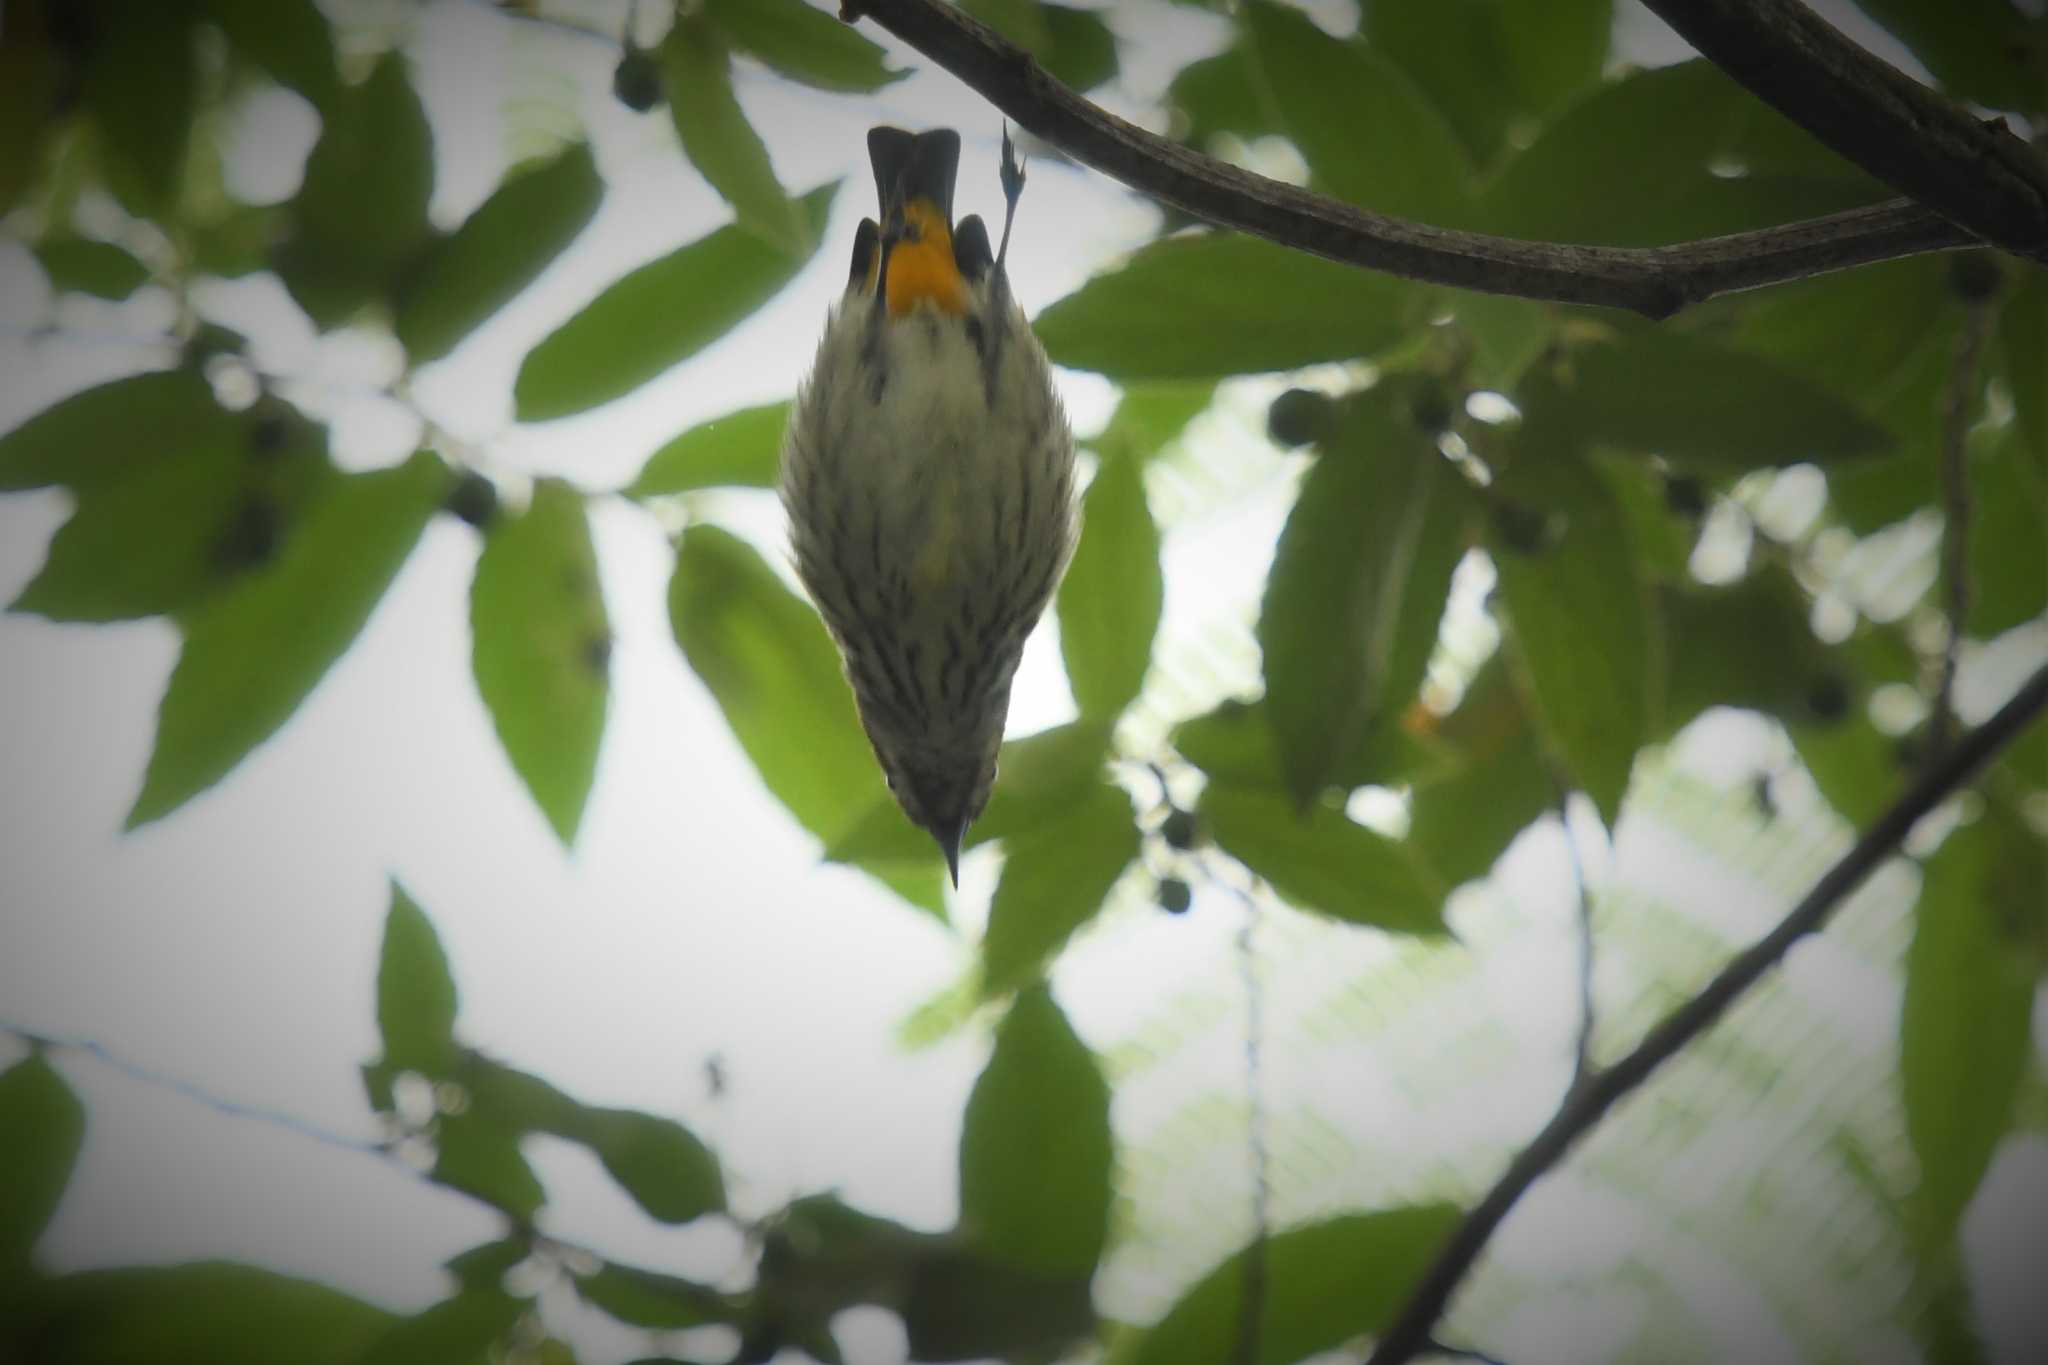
{"type": "Point", "coordinates": [949, 844]}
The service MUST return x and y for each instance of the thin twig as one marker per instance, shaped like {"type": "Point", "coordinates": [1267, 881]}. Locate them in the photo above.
{"type": "Point", "coordinates": [1921, 143]}
{"type": "Point", "coordinates": [1582, 1045]}
{"type": "Point", "coordinates": [1955, 513]}
{"type": "Point", "coordinates": [1436, 1347]}
{"type": "Point", "coordinates": [1585, 1107]}
{"type": "Point", "coordinates": [1653, 281]}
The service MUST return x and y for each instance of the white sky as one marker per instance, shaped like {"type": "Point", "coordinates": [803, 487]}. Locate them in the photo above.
{"type": "Point", "coordinates": [234, 944]}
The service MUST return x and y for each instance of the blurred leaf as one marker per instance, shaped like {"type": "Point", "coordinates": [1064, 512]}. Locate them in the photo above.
{"type": "Point", "coordinates": [1109, 602]}
{"type": "Point", "coordinates": [1366, 132]}
{"type": "Point", "coordinates": [1035, 1152]}
{"type": "Point", "coordinates": [1635, 164]}
{"type": "Point", "coordinates": [1855, 766]}
{"type": "Point", "coordinates": [84, 266]}
{"type": "Point", "coordinates": [1462, 821]}
{"type": "Point", "coordinates": [141, 89]}
{"type": "Point", "coordinates": [1748, 645]}
{"type": "Point", "coordinates": [478, 1157]}
{"type": "Point", "coordinates": [32, 76]}
{"type": "Point", "coordinates": [2008, 554]}
{"type": "Point", "coordinates": [201, 1313]}
{"type": "Point", "coordinates": [485, 1265]}
{"type": "Point", "coordinates": [287, 38]}
{"type": "Point", "coordinates": [1663, 535]}
{"type": "Point", "coordinates": [1076, 46]}
{"type": "Point", "coordinates": [741, 449]}
{"type": "Point", "coordinates": [415, 992]}
{"type": "Point", "coordinates": [696, 72]}
{"type": "Point", "coordinates": [1701, 404]}
{"type": "Point", "coordinates": [1326, 1283]}
{"type": "Point", "coordinates": [160, 538]}
{"type": "Point", "coordinates": [1196, 307]}
{"type": "Point", "coordinates": [965, 1306]}
{"type": "Point", "coordinates": [1988, 52]}
{"type": "Point", "coordinates": [516, 1101]}
{"type": "Point", "coordinates": [1508, 334]}
{"type": "Point", "coordinates": [1555, 50]}
{"type": "Point", "coordinates": [2023, 333]}
{"type": "Point", "coordinates": [238, 241]}
{"type": "Point", "coordinates": [1324, 863]}
{"type": "Point", "coordinates": [1218, 96]}
{"type": "Point", "coordinates": [769, 663]}
{"type": "Point", "coordinates": [1577, 621]}
{"type": "Point", "coordinates": [1234, 742]}
{"type": "Point", "coordinates": [42, 1130]}
{"type": "Point", "coordinates": [643, 1298]}
{"type": "Point", "coordinates": [804, 43]}
{"type": "Point", "coordinates": [500, 249]}
{"type": "Point", "coordinates": [1357, 588]}
{"type": "Point", "coordinates": [452, 1332]}
{"type": "Point", "coordinates": [360, 216]}
{"type": "Point", "coordinates": [1150, 417]}
{"type": "Point", "coordinates": [1964, 1029]}
{"type": "Point", "coordinates": [670, 1174]}
{"type": "Point", "coordinates": [656, 316]}
{"type": "Point", "coordinates": [253, 652]}
{"type": "Point", "coordinates": [1055, 879]}
{"type": "Point", "coordinates": [542, 651]}
{"type": "Point", "coordinates": [112, 429]}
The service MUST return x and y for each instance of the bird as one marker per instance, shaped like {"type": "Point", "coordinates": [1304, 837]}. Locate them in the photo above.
{"type": "Point", "coordinates": [927, 472]}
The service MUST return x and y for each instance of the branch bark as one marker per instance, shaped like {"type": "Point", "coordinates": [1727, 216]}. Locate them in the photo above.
{"type": "Point", "coordinates": [1977, 175]}
{"type": "Point", "coordinates": [1586, 1105]}
{"type": "Point", "coordinates": [1653, 281]}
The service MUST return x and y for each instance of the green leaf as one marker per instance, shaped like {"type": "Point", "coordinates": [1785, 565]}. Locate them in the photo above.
{"type": "Point", "coordinates": [1578, 625]}
{"type": "Point", "coordinates": [961, 1305]}
{"type": "Point", "coordinates": [238, 241]}
{"type": "Point", "coordinates": [773, 671]}
{"type": "Point", "coordinates": [1035, 1150]}
{"type": "Point", "coordinates": [741, 449]}
{"type": "Point", "coordinates": [1964, 1030]}
{"type": "Point", "coordinates": [1218, 96]}
{"type": "Point", "coordinates": [516, 1100]}
{"type": "Point", "coordinates": [1555, 50]}
{"type": "Point", "coordinates": [141, 89]}
{"type": "Point", "coordinates": [360, 216]}
{"type": "Point", "coordinates": [202, 1313]}
{"type": "Point", "coordinates": [485, 1265]}
{"type": "Point", "coordinates": [254, 652]}
{"type": "Point", "coordinates": [804, 43]}
{"type": "Point", "coordinates": [1644, 161]}
{"type": "Point", "coordinates": [1749, 645]}
{"type": "Point", "coordinates": [457, 1331]}
{"type": "Point", "coordinates": [670, 1174]}
{"type": "Point", "coordinates": [696, 72]}
{"type": "Point", "coordinates": [1366, 132]}
{"type": "Point", "coordinates": [1235, 743]}
{"type": "Point", "coordinates": [2023, 334]}
{"type": "Point", "coordinates": [499, 250]}
{"type": "Point", "coordinates": [1110, 601]}
{"type": "Point", "coordinates": [1055, 879]}
{"type": "Point", "coordinates": [644, 1298]}
{"type": "Point", "coordinates": [1460, 822]}
{"type": "Point", "coordinates": [543, 648]}
{"type": "Point", "coordinates": [415, 992]}
{"type": "Point", "coordinates": [2008, 555]}
{"type": "Point", "coordinates": [1356, 590]}
{"type": "Point", "coordinates": [1855, 766]}
{"type": "Point", "coordinates": [112, 429]}
{"type": "Point", "coordinates": [1704, 405]}
{"type": "Point", "coordinates": [655, 317]}
{"type": "Point", "coordinates": [42, 1129]}
{"type": "Point", "coordinates": [1323, 862]}
{"type": "Point", "coordinates": [165, 535]}
{"type": "Point", "coordinates": [1325, 1283]}
{"type": "Point", "coordinates": [1149, 418]}
{"type": "Point", "coordinates": [1080, 50]}
{"type": "Point", "coordinates": [287, 38]}
{"type": "Point", "coordinates": [1986, 51]}
{"type": "Point", "coordinates": [84, 266]}
{"type": "Point", "coordinates": [33, 76]}
{"type": "Point", "coordinates": [476, 1156]}
{"type": "Point", "coordinates": [1196, 307]}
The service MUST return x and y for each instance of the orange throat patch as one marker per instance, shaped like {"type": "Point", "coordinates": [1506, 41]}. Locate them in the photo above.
{"type": "Point", "coordinates": [921, 266]}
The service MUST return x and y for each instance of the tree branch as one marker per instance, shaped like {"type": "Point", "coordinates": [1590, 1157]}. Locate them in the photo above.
{"type": "Point", "coordinates": [1921, 143]}
{"type": "Point", "coordinates": [1955, 512]}
{"type": "Point", "coordinates": [1584, 1106]}
{"type": "Point", "coordinates": [1653, 281]}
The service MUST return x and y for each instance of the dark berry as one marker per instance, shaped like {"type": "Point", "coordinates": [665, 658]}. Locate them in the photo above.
{"type": "Point", "coordinates": [636, 81]}
{"type": "Point", "coordinates": [1828, 698]}
{"type": "Point", "coordinates": [1524, 529]}
{"type": "Point", "coordinates": [474, 499]}
{"type": "Point", "coordinates": [1684, 495]}
{"type": "Point", "coordinates": [1180, 829]}
{"type": "Point", "coordinates": [1298, 417]}
{"type": "Point", "coordinates": [1174, 896]}
{"type": "Point", "coordinates": [1974, 276]}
